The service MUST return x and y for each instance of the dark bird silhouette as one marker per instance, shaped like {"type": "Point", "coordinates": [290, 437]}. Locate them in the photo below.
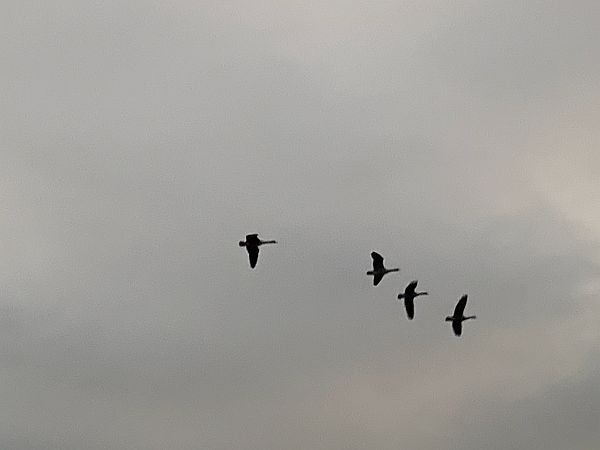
{"type": "Point", "coordinates": [457, 319]}
{"type": "Point", "coordinates": [252, 243]}
{"type": "Point", "coordinates": [409, 296]}
{"type": "Point", "coordinates": [378, 268]}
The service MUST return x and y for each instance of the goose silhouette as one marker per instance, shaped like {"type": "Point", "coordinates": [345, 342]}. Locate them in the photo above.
{"type": "Point", "coordinates": [252, 243]}
{"type": "Point", "coordinates": [409, 296]}
{"type": "Point", "coordinates": [379, 269]}
{"type": "Point", "coordinates": [458, 318]}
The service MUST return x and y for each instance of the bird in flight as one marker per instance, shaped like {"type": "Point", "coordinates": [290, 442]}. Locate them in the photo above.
{"type": "Point", "coordinates": [409, 296]}
{"type": "Point", "coordinates": [252, 243]}
{"type": "Point", "coordinates": [457, 319]}
{"type": "Point", "coordinates": [378, 268]}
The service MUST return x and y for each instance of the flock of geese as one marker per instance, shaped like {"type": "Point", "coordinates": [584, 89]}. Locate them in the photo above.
{"type": "Point", "coordinates": [253, 242]}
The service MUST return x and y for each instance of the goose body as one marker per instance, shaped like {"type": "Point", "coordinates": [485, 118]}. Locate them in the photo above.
{"type": "Point", "coordinates": [458, 317]}
{"type": "Point", "coordinates": [409, 296]}
{"type": "Point", "coordinates": [379, 269]}
{"type": "Point", "coordinates": [252, 243]}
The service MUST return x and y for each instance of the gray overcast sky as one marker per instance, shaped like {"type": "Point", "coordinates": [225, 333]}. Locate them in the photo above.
{"type": "Point", "coordinates": [141, 140]}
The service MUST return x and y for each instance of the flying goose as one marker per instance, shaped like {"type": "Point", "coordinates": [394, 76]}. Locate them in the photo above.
{"type": "Point", "coordinates": [252, 243]}
{"type": "Point", "coordinates": [378, 268]}
{"type": "Point", "coordinates": [409, 295]}
{"type": "Point", "coordinates": [457, 319]}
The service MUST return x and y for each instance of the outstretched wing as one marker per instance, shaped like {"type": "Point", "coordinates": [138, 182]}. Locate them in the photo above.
{"type": "Point", "coordinates": [457, 327]}
{"type": "Point", "coordinates": [252, 239]}
{"type": "Point", "coordinates": [377, 260]}
{"type": "Point", "coordinates": [460, 307]}
{"type": "Point", "coordinates": [377, 278]}
{"type": "Point", "coordinates": [410, 289]}
{"type": "Point", "coordinates": [410, 307]}
{"type": "Point", "coordinates": [252, 255]}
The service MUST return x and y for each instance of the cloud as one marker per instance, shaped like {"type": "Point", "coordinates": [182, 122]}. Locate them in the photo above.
{"type": "Point", "coordinates": [143, 141]}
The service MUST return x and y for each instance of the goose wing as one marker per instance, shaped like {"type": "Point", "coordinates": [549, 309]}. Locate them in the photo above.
{"type": "Point", "coordinates": [460, 307]}
{"type": "Point", "coordinates": [457, 327]}
{"type": "Point", "coordinates": [410, 307]}
{"type": "Point", "coordinates": [252, 239]}
{"type": "Point", "coordinates": [377, 278]}
{"type": "Point", "coordinates": [377, 260]}
{"type": "Point", "coordinates": [410, 289]}
{"type": "Point", "coordinates": [252, 255]}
